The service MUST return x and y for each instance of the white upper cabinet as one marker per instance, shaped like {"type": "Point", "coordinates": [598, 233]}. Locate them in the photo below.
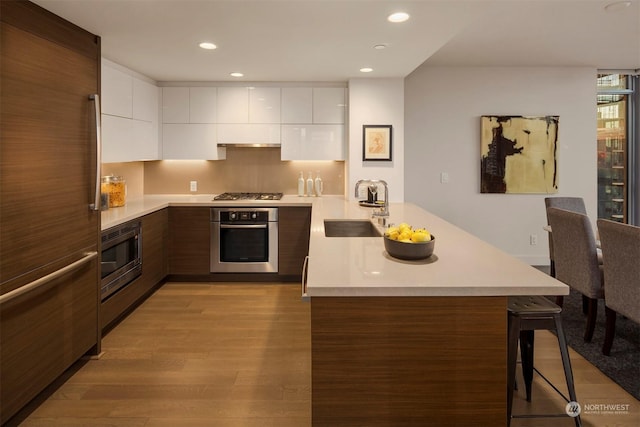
{"type": "Point", "coordinates": [145, 101]}
{"type": "Point", "coordinates": [297, 105]}
{"type": "Point", "coordinates": [175, 105]}
{"type": "Point", "coordinates": [191, 141]}
{"type": "Point", "coordinates": [117, 92]}
{"type": "Point", "coordinates": [129, 116]}
{"type": "Point", "coordinates": [189, 105]}
{"type": "Point", "coordinates": [233, 105]}
{"type": "Point", "coordinates": [329, 105]}
{"type": "Point", "coordinates": [203, 105]}
{"type": "Point", "coordinates": [264, 105]}
{"type": "Point", "coordinates": [312, 142]}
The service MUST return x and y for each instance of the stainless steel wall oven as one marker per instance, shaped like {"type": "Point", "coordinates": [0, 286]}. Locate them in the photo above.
{"type": "Point", "coordinates": [244, 240]}
{"type": "Point", "coordinates": [121, 257]}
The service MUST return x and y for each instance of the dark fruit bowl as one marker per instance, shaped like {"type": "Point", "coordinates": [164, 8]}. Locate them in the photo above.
{"type": "Point", "coordinates": [409, 251]}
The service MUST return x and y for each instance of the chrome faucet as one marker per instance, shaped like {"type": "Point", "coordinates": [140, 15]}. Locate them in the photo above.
{"type": "Point", "coordinates": [384, 210]}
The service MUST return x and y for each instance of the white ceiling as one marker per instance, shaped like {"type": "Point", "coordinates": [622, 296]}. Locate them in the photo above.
{"type": "Point", "coordinates": [330, 40]}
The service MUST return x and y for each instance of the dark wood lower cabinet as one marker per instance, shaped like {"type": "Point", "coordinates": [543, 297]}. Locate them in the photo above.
{"type": "Point", "coordinates": [155, 236]}
{"type": "Point", "coordinates": [409, 361]}
{"type": "Point", "coordinates": [294, 225]}
{"type": "Point", "coordinates": [189, 240]}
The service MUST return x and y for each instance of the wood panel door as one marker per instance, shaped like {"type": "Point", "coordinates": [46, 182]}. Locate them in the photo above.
{"type": "Point", "coordinates": [189, 240]}
{"type": "Point", "coordinates": [294, 225]}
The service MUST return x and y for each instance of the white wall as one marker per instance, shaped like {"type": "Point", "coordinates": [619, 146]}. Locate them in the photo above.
{"type": "Point", "coordinates": [443, 106]}
{"type": "Point", "coordinates": [376, 102]}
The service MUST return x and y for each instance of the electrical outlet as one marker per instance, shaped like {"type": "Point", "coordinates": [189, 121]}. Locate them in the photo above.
{"type": "Point", "coordinates": [444, 178]}
{"type": "Point", "coordinates": [533, 239]}
{"type": "Point", "coordinates": [193, 186]}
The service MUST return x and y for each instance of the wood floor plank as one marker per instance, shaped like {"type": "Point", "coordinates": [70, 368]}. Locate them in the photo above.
{"type": "Point", "coordinates": [238, 355]}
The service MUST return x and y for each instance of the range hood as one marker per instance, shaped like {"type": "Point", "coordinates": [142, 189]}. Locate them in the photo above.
{"type": "Point", "coordinates": [248, 145]}
{"type": "Point", "coordinates": [248, 135]}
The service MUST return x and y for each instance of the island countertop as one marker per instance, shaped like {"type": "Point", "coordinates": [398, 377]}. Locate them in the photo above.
{"type": "Point", "coordinates": [461, 265]}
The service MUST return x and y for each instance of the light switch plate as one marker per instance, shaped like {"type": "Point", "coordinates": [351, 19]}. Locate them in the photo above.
{"type": "Point", "coordinates": [444, 178]}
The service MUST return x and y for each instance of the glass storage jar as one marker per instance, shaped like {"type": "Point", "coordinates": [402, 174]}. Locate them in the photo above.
{"type": "Point", "coordinates": [116, 189]}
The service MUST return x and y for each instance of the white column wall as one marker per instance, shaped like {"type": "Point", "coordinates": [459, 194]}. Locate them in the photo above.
{"type": "Point", "coordinates": [376, 102]}
{"type": "Point", "coordinates": [443, 106]}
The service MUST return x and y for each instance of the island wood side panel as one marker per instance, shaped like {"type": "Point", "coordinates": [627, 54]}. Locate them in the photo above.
{"type": "Point", "coordinates": [407, 361]}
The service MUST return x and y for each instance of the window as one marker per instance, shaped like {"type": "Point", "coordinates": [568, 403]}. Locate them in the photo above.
{"type": "Point", "coordinates": [617, 106]}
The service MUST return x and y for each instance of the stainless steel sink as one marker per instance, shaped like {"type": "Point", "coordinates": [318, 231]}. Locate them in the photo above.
{"type": "Point", "coordinates": [350, 228]}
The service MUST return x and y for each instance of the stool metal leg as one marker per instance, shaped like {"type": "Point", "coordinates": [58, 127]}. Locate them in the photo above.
{"type": "Point", "coordinates": [566, 363]}
{"type": "Point", "coordinates": [526, 354]}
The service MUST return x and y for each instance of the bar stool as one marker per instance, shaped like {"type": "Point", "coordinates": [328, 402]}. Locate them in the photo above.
{"type": "Point", "coordinates": [525, 315]}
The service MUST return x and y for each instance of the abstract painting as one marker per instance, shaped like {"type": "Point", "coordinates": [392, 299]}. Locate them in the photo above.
{"type": "Point", "coordinates": [519, 154]}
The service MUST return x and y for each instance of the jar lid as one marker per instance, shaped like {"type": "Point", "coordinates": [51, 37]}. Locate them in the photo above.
{"type": "Point", "coordinates": [112, 178]}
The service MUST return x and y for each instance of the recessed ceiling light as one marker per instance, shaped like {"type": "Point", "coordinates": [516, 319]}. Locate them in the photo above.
{"type": "Point", "coordinates": [207, 45]}
{"type": "Point", "coordinates": [366, 70]}
{"type": "Point", "coordinates": [398, 17]}
{"type": "Point", "coordinates": [236, 74]}
{"type": "Point", "coordinates": [380, 46]}
{"type": "Point", "coordinates": [617, 6]}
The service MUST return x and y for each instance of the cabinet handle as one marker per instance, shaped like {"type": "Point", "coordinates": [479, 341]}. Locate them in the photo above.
{"type": "Point", "coordinates": [48, 278]}
{"type": "Point", "coordinates": [95, 206]}
{"type": "Point", "coordinates": [304, 296]}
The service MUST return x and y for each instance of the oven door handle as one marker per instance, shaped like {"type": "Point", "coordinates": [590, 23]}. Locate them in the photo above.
{"type": "Point", "coordinates": [244, 226]}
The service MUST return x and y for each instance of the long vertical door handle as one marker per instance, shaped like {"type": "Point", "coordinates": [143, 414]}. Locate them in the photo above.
{"type": "Point", "coordinates": [95, 206]}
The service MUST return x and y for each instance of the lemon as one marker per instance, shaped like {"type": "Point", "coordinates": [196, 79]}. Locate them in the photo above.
{"type": "Point", "coordinates": [421, 236]}
{"type": "Point", "coordinates": [404, 226]}
{"type": "Point", "coordinates": [405, 235]}
{"type": "Point", "coordinates": [391, 230]}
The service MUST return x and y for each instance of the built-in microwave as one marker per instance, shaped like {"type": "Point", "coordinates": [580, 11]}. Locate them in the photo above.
{"type": "Point", "coordinates": [121, 260]}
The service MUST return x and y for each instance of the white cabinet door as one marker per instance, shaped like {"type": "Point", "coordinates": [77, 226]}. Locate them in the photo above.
{"type": "Point", "coordinates": [264, 105]}
{"type": "Point", "coordinates": [329, 105]}
{"type": "Point", "coordinates": [297, 105]}
{"type": "Point", "coordinates": [191, 141]}
{"type": "Point", "coordinates": [144, 144]}
{"type": "Point", "coordinates": [249, 134]}
{"type": "Point", "coordinates": [312, 142]}
{"type": "Point", "coordinates": [126, 140]}
{"type": "Point", "coordinates": [117, 92]}
{"type": "Point", "coordinates": [175, 105]}
{"type": "Point", "coordinates": [233, 105]}
{"type": "Point", "coordinates": [116, 139]}
{"type": "Point", "coordinates": [145, 101]}
{"type": "Point", "coordinates": [203, 104]}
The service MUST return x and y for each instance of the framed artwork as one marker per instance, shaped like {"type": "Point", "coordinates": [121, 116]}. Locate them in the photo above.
{"type": "Point", "coordinates": [519, 154]}
{"type": "Point", "coordinates": [377, 142]}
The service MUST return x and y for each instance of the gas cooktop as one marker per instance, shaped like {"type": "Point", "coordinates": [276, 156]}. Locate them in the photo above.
{"type": "Point", "coordinates": [248, 196]}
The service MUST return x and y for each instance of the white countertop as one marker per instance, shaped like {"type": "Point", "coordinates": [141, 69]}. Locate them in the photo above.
{"type": "Point", "coordinates": [143, 206]}
{"type": "Point", "coordinates": [462, 264]}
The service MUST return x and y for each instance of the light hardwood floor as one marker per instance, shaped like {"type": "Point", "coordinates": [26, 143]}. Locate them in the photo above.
{"type": "Point", "coordinates": [238, 355]}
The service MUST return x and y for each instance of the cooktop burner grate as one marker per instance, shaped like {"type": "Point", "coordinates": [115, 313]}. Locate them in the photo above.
{"type": "Point", "coordinates": [248, 196]}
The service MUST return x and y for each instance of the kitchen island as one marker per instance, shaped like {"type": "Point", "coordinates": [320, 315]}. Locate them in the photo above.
{"type": "Point", "coordinates": [407, 343]}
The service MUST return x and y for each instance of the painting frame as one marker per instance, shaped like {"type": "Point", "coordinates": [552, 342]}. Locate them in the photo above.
{"type": "Point", "coordinates": [377, 143]}
{"type": "Point", "coordinates": [519, 154]}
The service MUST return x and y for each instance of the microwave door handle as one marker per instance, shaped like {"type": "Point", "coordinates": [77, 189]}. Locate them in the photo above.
{"type": "Point", "coordinates": [243, 226]}
{"type": "Point", "coordinates": [95, 206]}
